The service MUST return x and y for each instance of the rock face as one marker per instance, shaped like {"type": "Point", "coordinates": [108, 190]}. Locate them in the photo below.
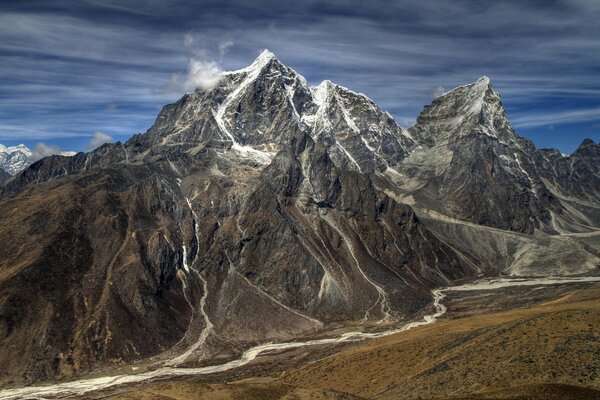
{"type": "Point", "coordinates": [4, 176]}
{"type": "Point", "coordinates": [265, 209]}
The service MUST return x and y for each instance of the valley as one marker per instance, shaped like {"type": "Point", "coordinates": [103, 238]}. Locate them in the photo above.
{"type": "Point", "coordinates": [488, 295]}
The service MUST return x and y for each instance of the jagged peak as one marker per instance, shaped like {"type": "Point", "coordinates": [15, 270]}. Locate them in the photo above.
{"type": "Point", "coordinates": [259, 63]}
{"type": "Point", "coordinates": [484, 80]}
{"type": "Point", "coordinates": [585, 145]}
{"type": "Point", "coordinates": [322, 91]}
{"type": "Point", "coordinates": [480, 85]}
{"type": "Point", "coordinates": [264, 58]}
{"type": "Point", "coordinates": [266, 54]}
{"type": "Point", "coordinates": [21, 147]}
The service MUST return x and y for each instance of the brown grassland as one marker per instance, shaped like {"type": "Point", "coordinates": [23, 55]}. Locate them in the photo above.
{"type": "Point", "coordinates": [547, 351]}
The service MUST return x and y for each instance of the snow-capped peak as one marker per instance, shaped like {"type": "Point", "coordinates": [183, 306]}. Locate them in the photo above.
{"type": "Point", "coordinates": [257, 65]}
{"type": "Point", "coordinates": [14, 158]}
{"type": "Point", "coordinates": [13, 149]}
{"type": "Point", "coordinates": [484, 80]}
{"type": "Point", "coordinates": [480, 85]}
{"type": "Point", "coordinates": [262, 60]}
{"type": "Point", "coordinates": [266, 54]}
{"type": "Point", "coordinates": [321, 92]}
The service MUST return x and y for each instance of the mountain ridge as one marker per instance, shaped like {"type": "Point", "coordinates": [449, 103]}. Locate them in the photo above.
{"type": "Point", "coordinates": [14, 159]}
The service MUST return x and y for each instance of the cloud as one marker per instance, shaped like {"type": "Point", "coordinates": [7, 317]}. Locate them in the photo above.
{"type": "Point", "coordinates": [188, 40]}
{"type": "Point", "coordinates": [224, 47]}
{"type": "Point", "coordinates": [203, 74]}
{"type": "Point", "coordinates": [42, 150]}
{"type": "Point", "coordinates": [203, 71]}
{"type": "Point", "coordinates": [98, 140]}
{"type": "Point", "coordinates": [557, 118]}
{"type": "Point", "coordinates": [437, 92]}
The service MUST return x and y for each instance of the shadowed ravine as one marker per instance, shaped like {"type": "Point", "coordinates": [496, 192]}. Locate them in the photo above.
{"type": "Point", "coordinates": [81, 387]}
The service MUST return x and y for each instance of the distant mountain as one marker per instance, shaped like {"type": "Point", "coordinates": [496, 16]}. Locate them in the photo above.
{"type": "Point", "coordinates": [268, 209]}
{"type": "Point", "coordinates": [15, 159]}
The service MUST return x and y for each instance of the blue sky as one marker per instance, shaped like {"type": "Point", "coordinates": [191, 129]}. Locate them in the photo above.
{"type": "Point", "coordinates": [70, 69]}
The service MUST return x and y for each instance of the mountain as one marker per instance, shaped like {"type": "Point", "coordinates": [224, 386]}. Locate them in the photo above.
{"type": "Point", "coordinates": [266, 209]}
{"type": "Point", "coordinates": [470, 164]}
{"type": "Point", "coordinates": [15, 159]}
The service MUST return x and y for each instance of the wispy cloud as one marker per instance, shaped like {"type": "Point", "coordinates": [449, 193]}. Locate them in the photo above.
{"type": "Point", "coordinates": [64, 66]}
{"type": "Point", "coordinates": [556, 118]}
{"type": "Point", "coordinates": [43, 150]}
{"type": "Point", "coordinates": [437, 92]}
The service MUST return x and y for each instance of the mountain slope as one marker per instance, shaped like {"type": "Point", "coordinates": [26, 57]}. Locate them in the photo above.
{"type": "Point", "coordinates": [96, 255]}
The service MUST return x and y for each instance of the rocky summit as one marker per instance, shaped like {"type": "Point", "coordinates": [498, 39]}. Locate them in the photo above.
{"type": "Point", "coordinates": [266, 209]}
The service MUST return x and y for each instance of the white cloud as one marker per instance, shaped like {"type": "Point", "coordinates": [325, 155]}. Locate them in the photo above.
{"type": "Point", "coordinates": [204, 74]}
{"type": "Point", "coordinates": [224, 46]}
{"type": "Point", "coordinates": [188, 40]}
{"type": "Point", "coordinates": [438, 92]}
{"type": "Point", "coordinates": [98, 140]}
{"type": "Point", "coordinates": [43, 150]}
{"type": "Point", "coordinates": [204, 70]}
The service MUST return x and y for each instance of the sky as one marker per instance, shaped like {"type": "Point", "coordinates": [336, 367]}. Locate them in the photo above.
{"type": "Point", "coordinates": [74, 74]}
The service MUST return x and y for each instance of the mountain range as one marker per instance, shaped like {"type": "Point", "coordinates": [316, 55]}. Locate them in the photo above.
{"type": "Point", "coordinates": [15, 159]}
{"type": "Point", "coordinates": [267, 209]}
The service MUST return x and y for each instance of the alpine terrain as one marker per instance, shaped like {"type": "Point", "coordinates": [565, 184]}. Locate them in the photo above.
{"type": "Point", "coordinates": [267, 210]}
{"type": "Point", "coordinates": [15, 159]}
